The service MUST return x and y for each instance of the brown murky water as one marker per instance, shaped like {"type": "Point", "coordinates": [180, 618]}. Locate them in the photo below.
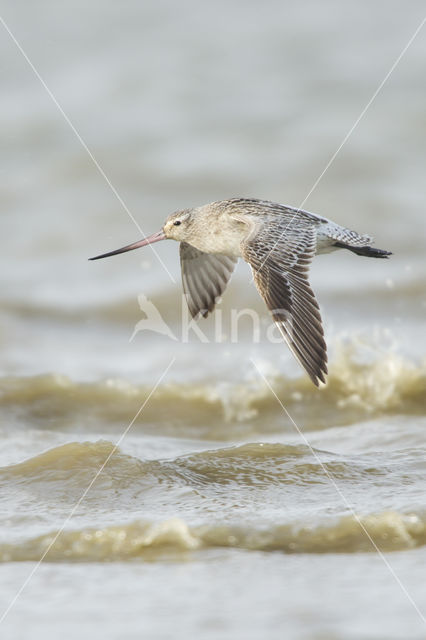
{"type": "Point", "coordinates": [214, 517]}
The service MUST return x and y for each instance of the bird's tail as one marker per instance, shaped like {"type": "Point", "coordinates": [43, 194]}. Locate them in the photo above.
{"type": "Point", "coordinates": [369, 252]}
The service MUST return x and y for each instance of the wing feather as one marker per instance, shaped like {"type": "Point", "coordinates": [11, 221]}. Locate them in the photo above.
{"type": "Point", "coordinates": [204, 277]}
{"type": "Point", "coordinates": [280, 258]}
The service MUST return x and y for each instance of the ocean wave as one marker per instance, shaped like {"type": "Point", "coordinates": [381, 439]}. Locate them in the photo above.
{"type": "Point", "coordinates": [174, 538]}
{"type": "Point", "coordinates": [364, 382]}
{"type": "Point", "coordinates": [62, 475]}
{"type": "Point", "coordinates": [69, 469]}
{"type": "Point", "coordinates": [75, 462]}
{"type": "Point", "coordinates": [254, 464]}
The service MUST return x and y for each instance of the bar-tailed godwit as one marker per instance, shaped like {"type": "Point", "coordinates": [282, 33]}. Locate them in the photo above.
{"type": "Point", "coordinates": [278, 242]}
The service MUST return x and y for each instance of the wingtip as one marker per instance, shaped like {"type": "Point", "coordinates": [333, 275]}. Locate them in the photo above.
{"type": "Point", "coordinates": [319, 374]}
{"type": "Point", "coordinates": [319, 378]}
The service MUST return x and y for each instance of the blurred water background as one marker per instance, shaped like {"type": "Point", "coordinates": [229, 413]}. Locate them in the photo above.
{"type": "Point", "coordinates": [214, 518]}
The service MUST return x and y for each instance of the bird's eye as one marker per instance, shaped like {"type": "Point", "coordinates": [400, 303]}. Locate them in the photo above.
{"type": "Point", "coordinates": [177, 223]}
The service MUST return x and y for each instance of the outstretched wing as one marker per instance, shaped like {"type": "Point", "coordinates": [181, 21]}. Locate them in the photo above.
{"type": "Point", "coordinates": [280, 258]}
{"type": "Point", "coordinates": [204, 277]}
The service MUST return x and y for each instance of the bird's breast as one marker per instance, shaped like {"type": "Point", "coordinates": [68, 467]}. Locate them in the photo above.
{"type": "Point", "coordinates": [218, 236]}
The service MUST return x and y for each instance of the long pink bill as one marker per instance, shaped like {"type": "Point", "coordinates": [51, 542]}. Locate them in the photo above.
{"type": "Point", "coordinates": [155, 237]}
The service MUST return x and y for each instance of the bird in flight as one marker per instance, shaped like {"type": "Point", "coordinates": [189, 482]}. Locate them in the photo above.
{"type": "Point", "coordinates": [278, 242]}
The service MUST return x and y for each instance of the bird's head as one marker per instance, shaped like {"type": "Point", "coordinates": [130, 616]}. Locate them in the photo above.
{"type": "Point", "coordinates": [176, 227]}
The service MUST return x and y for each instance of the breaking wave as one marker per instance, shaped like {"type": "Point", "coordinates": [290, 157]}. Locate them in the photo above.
{"type": "Point", "coordinates": [174, 538]}
{"type": "Point", "coordinates": [359, 387]}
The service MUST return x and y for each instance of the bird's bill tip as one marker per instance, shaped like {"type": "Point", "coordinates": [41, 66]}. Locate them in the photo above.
{"type": "Point", "coordinates": [155, 237]}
